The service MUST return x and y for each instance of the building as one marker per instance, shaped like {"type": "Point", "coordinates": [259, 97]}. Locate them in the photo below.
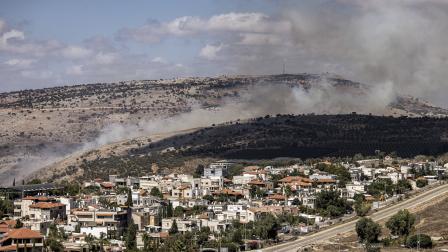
{"type": "Point", "coordinates": [22, 206]}
{"type": "Point", "coordinates": [43, 211]}
{"type": "Point", "coordinates": [217, 169]}
{"type": "Point", "coordinates": [114, 221]}
{"type": "Point", "coordinates": [183, 225]}
{"type": "Point", "coordinates": [22, 240]}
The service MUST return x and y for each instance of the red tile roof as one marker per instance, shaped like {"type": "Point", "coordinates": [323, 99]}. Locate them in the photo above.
{"type": "Point", "coordinates": [46, 205]}
{"type": "Point", "coordinates": [22, 233]}
{"type": "Point", "coordinates": [6, 225]}
{"type": "Point", "coordinates": [277, 197]}
{"type": "Point", "coordinates": [290, 179]}
{"type": "Point", "coordinates": [257, 182]}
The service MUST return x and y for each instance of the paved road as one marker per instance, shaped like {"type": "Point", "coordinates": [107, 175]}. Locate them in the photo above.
{"type": "Point", "coordinates": [350, 226]}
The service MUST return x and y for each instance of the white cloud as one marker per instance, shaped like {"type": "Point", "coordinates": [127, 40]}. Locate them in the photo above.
{"type": "Point", "coordinates": [12, 34]}
{"type": "Point", "coordinates": [19, 62]}
{"type": "Point", "coordinates": [262, 39]}
{"type": "Point", "coordinates": [75, 70]}
{"type": "Point", "coordinates": [159, 60]}
{"type": "Point", "coordinates": [76, 52]}
{"type": "Point", "coordinates": [210, 51]}
{"type": "Point", "coordinates": [105, 58]}
{"type": "Point", "coordinates": [190, 25]}
{"type": "Point", "coordinates": [37, 74]}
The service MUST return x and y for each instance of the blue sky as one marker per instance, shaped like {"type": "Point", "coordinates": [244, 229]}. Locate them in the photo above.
{"type": "Point", "coordinates": [48, 43]}
{"type": "Point", "coordinates": [48, 26]}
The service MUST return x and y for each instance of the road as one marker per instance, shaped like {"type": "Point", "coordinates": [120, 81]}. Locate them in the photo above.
{"type": "Point", "coordinates": [350, 226]}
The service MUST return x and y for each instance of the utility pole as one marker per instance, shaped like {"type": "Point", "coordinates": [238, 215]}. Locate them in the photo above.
{"type": "Point", "coordinates": [418, 234]}
{"type": "Point", "coordinates": [284, 68]}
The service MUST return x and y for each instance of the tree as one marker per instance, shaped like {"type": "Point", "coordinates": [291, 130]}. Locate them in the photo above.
{"type": "Point", "coordinates": [34, 181]}
{"type": "Point", "coordinates": [199, 171]}
{"type": "Point", "coordinates": [340, 171]}
{"type": "Point", "coordinates": [367, 230]}
{"type": "Point", "coordinates": [129, 202]}
{"type": "Point", "coordinates": [131, 236]}
{"type": "Point", "coordinates": [78, 228]}
{"type": "Point", "coordinates": [288, 190]}
{"type": "Point", "coordinates": [419, 240]}
{"type": "Point", "coordinates": [401, 223]}
{"type": "Point", "coordinates": [173, 229]}
{"type": "Point", "coordinates": [266, 228]}
{"type": "Point", "coordinates": [329, 203]}
{"type": "Point", "coordinates": [403, 186]}
{"type": "Point", "coordinates": [178, 211]}
{"type": "Point", "coordinates": [156, 192]}
{"type": "Point", "coordinates": [54, 239]}
{"type": "Point", "coordinates": [296, 202]}
{"type": "Point", "coordinates": [146, 243]}
{"type": "Point", "coordinates": [169, 210]}
{"type": "Point", "coordinates": [237, 237]}
{"type": "Point", "coordinates": [421, 183]}
{"type": "Point", "coordinates": [362, 208]}
{"type": "Point", "coordinates": [208, 197]}
{"type": "Point", "coordinates": [19, 224]}
{"type": "Point", "coordinates": [6, 206]}
{"type": "Point", "coordinates": [381, 186]}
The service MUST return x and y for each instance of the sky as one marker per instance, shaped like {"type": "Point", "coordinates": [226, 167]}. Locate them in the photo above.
{"type": "Point", "coordinates": [51, 42]}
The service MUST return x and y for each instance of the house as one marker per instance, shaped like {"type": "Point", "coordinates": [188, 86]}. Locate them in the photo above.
{"type": "Point", "coordinates": [355, 188]}
{"type": "Point", "coordinates": [261, 184]}
{"type": "Point", "coordinates": [217, 169]}
{"type": "Point", "coordinates": [5, 226]}
{"type": "Point", "coordinates": [22, 240]}
{"type": "Point", "coordinates": [244, 179]}
{"type": "Point", "coordinates": [114, 221]}
{"type": "Point", "coordinates": [145, 217]}
{"type": "Point", "coordinates": [289, 179]}
{"type": "Point", "coordinates": [149, 182]}
{"type": "Point", "coordinates": [43, 211]}
{"type": "Point", "coordinates": [183, 225]}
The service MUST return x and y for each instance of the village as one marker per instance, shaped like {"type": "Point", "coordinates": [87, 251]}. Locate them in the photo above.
{"type": "Point", "coordinates": [257, 207]}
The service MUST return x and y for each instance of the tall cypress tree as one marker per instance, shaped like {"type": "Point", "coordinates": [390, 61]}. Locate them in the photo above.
{"type": "Point", "coordinates": [131, 236]}
{"type": "Point", "coordinates": [129, 199]}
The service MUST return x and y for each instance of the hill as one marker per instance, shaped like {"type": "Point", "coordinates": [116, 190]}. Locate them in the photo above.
{"type": "Point", "coordinates": [43, 126]}
{"type": "Point", "coordinates": [301, 136]}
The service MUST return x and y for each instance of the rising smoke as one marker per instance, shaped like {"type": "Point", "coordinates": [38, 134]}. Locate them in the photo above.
{"type": "Point", "coordinates": [397, 47]}
{"type": "Point", "coordinates": [259, 99]}
{"type": "Point", "coordinates": [400, 42]}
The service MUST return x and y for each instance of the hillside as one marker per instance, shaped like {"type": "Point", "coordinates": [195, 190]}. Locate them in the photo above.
{"type": "Point", "coordinates": [43, 126]}
{"type": "Point", "coordinates": [301, 136]}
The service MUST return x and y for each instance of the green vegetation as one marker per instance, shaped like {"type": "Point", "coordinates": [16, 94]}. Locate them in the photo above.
{"type": "Point", "coordinates": [6, 207]}
{"type": "Point", "coordinates": [421, 183]}
{"type": "Point", "coordinates": [362, 208]}
{"type": "Point", "coordinates": [129, 202]}
{"type": "Point", "coordinates": [173, 229]}
{"type": "Point", "coordinates": [403, 186]}
{"type": "Point", "coordinates": [54, 239]}
{"type": "Point", "coordinates": [401, 223]}
{"type": "Point", "coordinates": [178, 211]}
{"type": "Point", "coordinates": [131, 236]}
{"type": "Point", "coordinates": [367, 230]}
{"type": "Point", "coordinates": [329, 203]}
{"type": "Point", "coordinates": [380, 187]}
{"type": "Point", "coordinates": [156, 192]}
{"type": "Point", "coordinates": [419, 240]}
{"type": "Point", "coordinates": [340, 171]}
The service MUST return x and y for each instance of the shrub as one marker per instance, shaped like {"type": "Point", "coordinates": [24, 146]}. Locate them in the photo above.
{"type": "Point", "coordinates": [367, 230]}
{"type": "Point", "coordinates": [401, 223]}
{"type": "Point", "coordinates": [425, 241]}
